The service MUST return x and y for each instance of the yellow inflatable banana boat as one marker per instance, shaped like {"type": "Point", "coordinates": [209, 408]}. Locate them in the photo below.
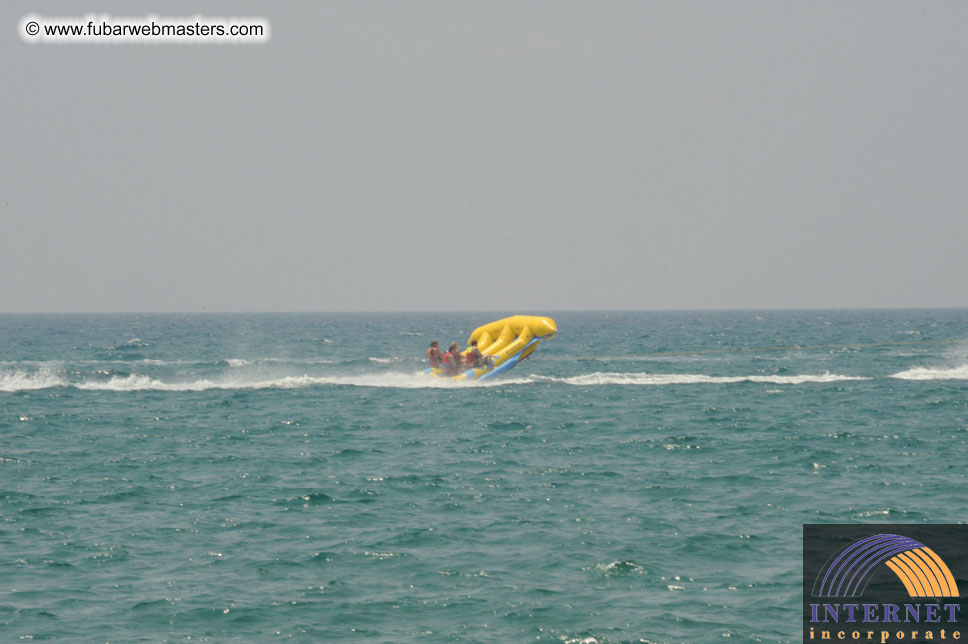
{"type": "Point", "coordinates": [507, 341]}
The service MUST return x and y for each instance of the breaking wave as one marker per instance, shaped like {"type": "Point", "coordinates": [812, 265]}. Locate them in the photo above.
{"type": "Point", "coordinates": [392, 380]}
{"type": "Point", "coordinates": [19, 380]}
{"type": "Point", "coordinates": [658, 379]}
{"type": "Point", "coordinates": [926, 373]}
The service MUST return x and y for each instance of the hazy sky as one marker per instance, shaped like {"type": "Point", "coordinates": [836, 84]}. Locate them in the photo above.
{"type": "Point", "coordinates": [519, 156]}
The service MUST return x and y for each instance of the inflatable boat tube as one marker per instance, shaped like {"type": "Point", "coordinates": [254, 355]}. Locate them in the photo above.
{"type": "Point", "coordinates": [509, 341]}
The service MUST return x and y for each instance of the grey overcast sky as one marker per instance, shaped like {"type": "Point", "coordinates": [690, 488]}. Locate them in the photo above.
{"type": "Point", "coordinates": [528, 156]}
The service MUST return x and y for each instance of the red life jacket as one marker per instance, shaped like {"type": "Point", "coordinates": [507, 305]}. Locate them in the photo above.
{"type": "Point", "coordinates": [452, 362]}
{"type": "Point", "coordinates": [433, 354]}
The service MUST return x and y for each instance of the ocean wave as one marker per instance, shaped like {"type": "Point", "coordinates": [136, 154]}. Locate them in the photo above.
{"type": "Point", "coordinates": [927, 373]}
{"type": "Point", "coordinates": [299, 361]}
{"type": "Point", "coordinates": [657, 379]}
{"type": "Point", "coordinates": [615, 568]}
{"type": "Point", "coordinates": [136, 382]}
{"type": "Point", "coordinates": [128, 343]}
{"type": "Point", "coordinates": [19, 380]}
{"type": "Point", "coordinates": [393, 380]}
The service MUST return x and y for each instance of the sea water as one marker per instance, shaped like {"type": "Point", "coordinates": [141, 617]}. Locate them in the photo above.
{"type": "Point", "coordinates": [294, 478]}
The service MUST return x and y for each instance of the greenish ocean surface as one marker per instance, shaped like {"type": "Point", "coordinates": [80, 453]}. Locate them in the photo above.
{"type": "Point", "coordinates": [293, 478]}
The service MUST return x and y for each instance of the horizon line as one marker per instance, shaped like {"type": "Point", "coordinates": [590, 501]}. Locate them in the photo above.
{"type": "Point", "coordinates": [492, 311]}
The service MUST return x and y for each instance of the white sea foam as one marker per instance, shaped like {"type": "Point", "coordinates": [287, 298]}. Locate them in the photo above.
{"type": "Point", "coordinates": [241, 362]}
{"type": "Point", "coordinates": [420, 381]}
{"type": "Point", "coordinates": [32, 363]}
{"type": "Point", "coordinates": [656, 379]}
{"type": "Point", "coordinates": [133, 382]}
{"type": "Point", "coordinates": [927, 373]}
{"type": "Point", "coordinates": [613, 568]}
{"type": "Point", "coordinates": [381, 360]}
{"type": "Point", "coordinates": [22, 380]}
{"type": "Point", "coordinates": [19, 380]}
{"type": "Point", "coordinates": [131, 342]}
{"type": "Point", "coordinates": [391, 380]}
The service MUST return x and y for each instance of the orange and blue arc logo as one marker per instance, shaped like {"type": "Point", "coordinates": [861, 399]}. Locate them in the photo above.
{"type": "Point", "coordinates": [919, 568]}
